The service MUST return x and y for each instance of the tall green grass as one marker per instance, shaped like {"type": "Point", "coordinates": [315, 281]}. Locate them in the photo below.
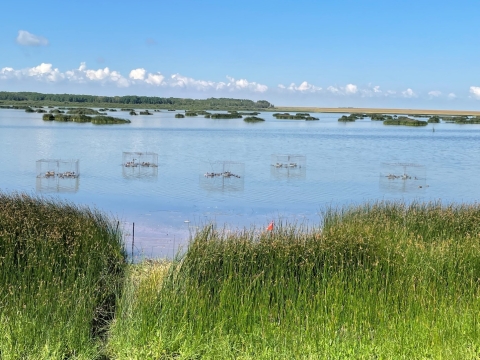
{"type": "Point", "coordinates": [383, 280]}
{"type": "Point", "coordinates": [61, 268]}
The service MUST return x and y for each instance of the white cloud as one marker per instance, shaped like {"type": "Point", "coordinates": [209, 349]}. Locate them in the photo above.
{"type": "Point", "coordinates": [475, 91]}
{"type": "Point", "coordinates": [435, 93]}
{"type": "Point", "coordinates": [28, 39]}
{"type": "Point", "coordinates": [409, 93]}
{"type": "Point", "coordinates": [333, 90]}
{"type": "Point", "coordinates": [42, 72]}
{"type": "Point", "coordinates": [376, 89]}
{"type": "Point", "coordinates": [137, 74]}
{"type": "Point", "coordinates": [177, 80]}
{"type": "Point", "coordinates": [243, 84]}
{"type": "Point", "coordinates": [351, 89]}
{"type": "Point", "coordinates": [451, 96]}
{"type": "Point", "coordinates": [155, 79]}
{"type": "Point", "coordinates": [304, 87]}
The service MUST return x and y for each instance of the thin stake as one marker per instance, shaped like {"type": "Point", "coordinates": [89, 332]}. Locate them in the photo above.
{"type": "Point", "coordinates": [133, 239]}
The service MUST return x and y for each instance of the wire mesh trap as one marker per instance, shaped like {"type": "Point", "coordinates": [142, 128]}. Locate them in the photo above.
{"type": "Point", "coordinates": [139, 164]}
{"type": "Point", "coordinates": [288, 166]}
{"type": "Point", "coordinates": [402, 177]}
{"type": "Point", "coordinates": [223, 176]}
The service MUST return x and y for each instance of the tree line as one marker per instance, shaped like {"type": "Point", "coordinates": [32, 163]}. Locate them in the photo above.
{"type": "Point", "coordinates": [210, 103]}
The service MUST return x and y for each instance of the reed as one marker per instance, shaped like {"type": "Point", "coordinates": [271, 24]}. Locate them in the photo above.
{"type": "Point", "coordinates": [61, 267]}
{"type": "Point", "coordinates": [381, 280]}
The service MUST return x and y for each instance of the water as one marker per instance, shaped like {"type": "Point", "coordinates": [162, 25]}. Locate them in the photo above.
{"type": "Point", "coordinates": [346, 163]}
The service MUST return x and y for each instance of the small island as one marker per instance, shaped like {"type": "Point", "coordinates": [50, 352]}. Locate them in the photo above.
{"type": "Point", "coordinates": [230, 115]}
{"type": "Point", "coordinates": [253, 119]}
{"type": "Point", "coordinates": [81, 118]}
{"type": "Point", "coordinates": [297, 116]}
{"type": "Point", "coordinates": [179, 116]}
{"type": "Point", "coordinates": [405, 121]}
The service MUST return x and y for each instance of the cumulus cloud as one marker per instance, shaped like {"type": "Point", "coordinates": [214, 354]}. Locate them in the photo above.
{"type": "Point", "coordinates": [333, 90]}
{"type": "Point", "coordinates": [46, 72]}
{"type": "Point", "coordinates": [243, 84]}
{"type": "Point", "coordinates": [409, 93]}
{"type": "Point", "coordinates": [28, 39]}
{"type": "Point", "coordinates": [304, 87]}
{"type": "Point", "coordinates": [475, 91]}
{"type": "Point", "coordinates": [451, 96]}
{"type": "Point", "coordinates": [137, 74]}
{"type": "Point", "coordinates": [351, 89]}
{"type": "Point", "coordinates": [434, 93]}
{"type": "Point", "coordinates": [42, 72]}
{"type": "Point", "coordinates": [155, 79]}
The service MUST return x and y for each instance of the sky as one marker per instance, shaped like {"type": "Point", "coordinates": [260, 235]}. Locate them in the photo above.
{"type": "Point", "coordinates": [359, 53]}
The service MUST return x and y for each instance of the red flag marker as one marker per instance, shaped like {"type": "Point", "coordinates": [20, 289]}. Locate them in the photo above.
{"type": "Point", "coordinates": [270, 226]}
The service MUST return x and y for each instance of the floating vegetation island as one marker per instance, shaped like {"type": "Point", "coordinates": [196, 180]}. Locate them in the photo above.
{"type": "Point", "coordinates": [253, 119]}
{"type": "Point", "coordinates": [231, 115]}
{"type": "Point", "coordinates": [297, 116]}
{"type": "Point", "coordinates": [146, 112]}
{"type": "Point", "coordinates": [406, 121]}
{"type": "Point", "coordinates": [179, 116]}
{"type": "Point", "coordinates": [81, 118]}
{"type": "Point", "coordinates": [84, 111]}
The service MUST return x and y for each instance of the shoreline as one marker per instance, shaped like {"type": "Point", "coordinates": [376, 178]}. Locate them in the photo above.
{"type": "Point", "coordinates": [341, 110]}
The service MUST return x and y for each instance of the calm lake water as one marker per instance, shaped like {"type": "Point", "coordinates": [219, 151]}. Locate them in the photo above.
{"type": "Point", "coordinates": [346, 163]}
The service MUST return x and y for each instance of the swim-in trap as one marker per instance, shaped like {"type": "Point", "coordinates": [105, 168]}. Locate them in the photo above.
{"type": "Point", "coordinates": [58, 175]}
{"type": "Point", "coordinates": [288, 166]}
{"type": "Point", "coordinates": [140, 164]}
{"type": "Point", "coordinates": [223, 176]}
{"type": "Point", "coordinates": [403, 177]}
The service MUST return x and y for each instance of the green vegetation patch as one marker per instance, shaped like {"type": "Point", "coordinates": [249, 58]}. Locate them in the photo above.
{"type": "Point", "coordinates": [61, 269]}
{"type": "Point", "coordinates": [462, 119]}
{"type": "Point", "coordinates": [84, 111]}
{"type": "Point", "coordinates": [297, 116]}
{"type": "Point", "coordinates": [16, 107]}
{"type": "Point", "coordinates": [379, 117]}
{"type": "Point", "coordinates": [253, 119]}
{"type": "Point", "coordinates": [405, 121]}
{"type": "Point", "coordinates": [383, 280]}
{"type": "Point", "coordinates": [179, 116]}
{"type": "Point", "coordinates": [231, 115]}
{"type": "Point", "coordinates": [81, 118]}
{"type": "Point", "coordinates": [146, 112]}
{"type": "Point", "coordinates": [190, 113]}
{"type": "Point", "coordinates": [435, 119]}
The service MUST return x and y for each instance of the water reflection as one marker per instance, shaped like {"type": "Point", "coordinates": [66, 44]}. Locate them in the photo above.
{"type": "Point", "coordinates": [57, 185]}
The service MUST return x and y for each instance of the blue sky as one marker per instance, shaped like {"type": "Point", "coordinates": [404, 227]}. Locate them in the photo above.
{"type": "Point", "coordinates": [410, 54]}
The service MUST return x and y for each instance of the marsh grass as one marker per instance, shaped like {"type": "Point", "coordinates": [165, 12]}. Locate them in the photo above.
{"type": "Point", "coordinates": [383, 280]}
{"type": "Point", "coordinates": [61, 267]}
